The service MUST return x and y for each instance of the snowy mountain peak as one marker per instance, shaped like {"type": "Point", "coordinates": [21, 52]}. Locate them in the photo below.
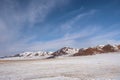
{"type": "Point", "coordinates": [65, 51]}
{"type": "Point", "coordinates": [100, 46]}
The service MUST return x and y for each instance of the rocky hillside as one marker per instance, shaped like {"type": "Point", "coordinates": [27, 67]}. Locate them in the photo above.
{"type": "Point", "coordinates": [65, 51]}
{"type": "Point", "coordinates": [98, 50]}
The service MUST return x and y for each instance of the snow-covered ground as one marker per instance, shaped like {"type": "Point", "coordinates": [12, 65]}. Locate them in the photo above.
{"type": "Point", "coordinates": [95, 67]}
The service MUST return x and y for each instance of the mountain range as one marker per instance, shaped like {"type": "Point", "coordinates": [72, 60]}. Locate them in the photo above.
{"type": "Point", "coordinates": [68, 51]}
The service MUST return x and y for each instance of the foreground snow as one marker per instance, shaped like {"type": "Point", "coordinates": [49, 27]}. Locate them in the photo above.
{"type": "Point", "coordinates": [95, 67]}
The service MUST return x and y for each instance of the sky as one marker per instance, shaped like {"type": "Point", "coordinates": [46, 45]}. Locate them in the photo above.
{"type": "Point", "coordinates": [47, 25]}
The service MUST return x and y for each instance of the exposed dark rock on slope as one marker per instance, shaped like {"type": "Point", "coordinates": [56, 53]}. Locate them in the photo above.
{"type": "Point", "coordinates": [98, 50]}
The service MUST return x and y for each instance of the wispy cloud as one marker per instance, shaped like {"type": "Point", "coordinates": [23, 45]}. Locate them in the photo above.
{"type": "Point", "coordinates": [106, 38]}
{"type": "Point", "coordinates": [14, 17]}
{"type": "Point", "coordinates": [69, 39]}
{"type": "Point", "coordinates": [66, 40]}
{"type": "Point", "coordinates": [69, 24]}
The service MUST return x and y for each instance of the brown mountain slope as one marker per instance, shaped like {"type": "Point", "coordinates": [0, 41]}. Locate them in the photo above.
{"type": "Point", "coordinates": [98, 50]}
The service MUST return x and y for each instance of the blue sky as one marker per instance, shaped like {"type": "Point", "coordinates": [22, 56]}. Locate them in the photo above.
{"type": "Point", "coordinates": [33, 25]}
